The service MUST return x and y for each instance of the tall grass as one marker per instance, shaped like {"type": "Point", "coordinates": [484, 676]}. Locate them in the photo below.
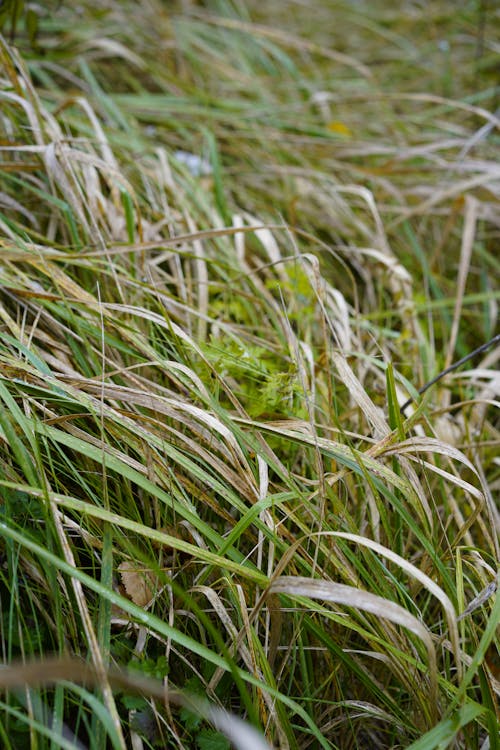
{"type": "Point", "coordinates": [235, 239]}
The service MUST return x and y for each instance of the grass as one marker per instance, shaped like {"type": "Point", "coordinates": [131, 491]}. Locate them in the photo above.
{"type": "Point", "coordinates": [236, 238]}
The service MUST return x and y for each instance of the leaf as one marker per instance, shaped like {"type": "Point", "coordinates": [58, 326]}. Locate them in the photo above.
{"type": "Point", "coordinates": [190, 720]}
{"type": "Point", "coordinates": [134, 702]}
{"type": "Point", "coordinates": [139, 582]}
{"type": "Point", "coordinates": [207, 739]}
{"type": "Point", "coordinates": [339, 128]}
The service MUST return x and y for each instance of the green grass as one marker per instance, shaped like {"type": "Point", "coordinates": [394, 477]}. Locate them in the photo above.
{"type": "Point", "coordinates": [216, 523]}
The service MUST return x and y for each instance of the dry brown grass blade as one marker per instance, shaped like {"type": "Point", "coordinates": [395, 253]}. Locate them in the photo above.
{"type": "Point", "coordinates": [468, 237]}
{"type": "Point", "coordinates": [417, 574]}
{"type": "Point", "coordinates": [363, 600]}
{"type": "Point", "coordinates": [350, 596]}
{"type": "Point", "coordinates": [373, 414]}
{"type": "Point", "coordinates": [50, 671]}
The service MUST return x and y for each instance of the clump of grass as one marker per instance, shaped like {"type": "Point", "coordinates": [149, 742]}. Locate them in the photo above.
{"type": "Point", "coordinates": [231, 250]}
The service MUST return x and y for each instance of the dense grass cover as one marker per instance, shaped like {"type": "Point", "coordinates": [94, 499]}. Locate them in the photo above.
{"type": "Point", "coordinates": [235, 238]}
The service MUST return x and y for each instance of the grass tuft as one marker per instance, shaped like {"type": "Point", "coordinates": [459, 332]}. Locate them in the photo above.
{"type": "Point", "coordinates": [248, 375]}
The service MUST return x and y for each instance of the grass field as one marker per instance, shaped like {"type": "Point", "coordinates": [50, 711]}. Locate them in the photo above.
{"type": "Point", "coordinates": [238, 240]}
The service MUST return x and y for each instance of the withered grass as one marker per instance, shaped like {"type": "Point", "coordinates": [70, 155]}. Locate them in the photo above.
{"type": "Point", "coordinates": [235, 239]}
